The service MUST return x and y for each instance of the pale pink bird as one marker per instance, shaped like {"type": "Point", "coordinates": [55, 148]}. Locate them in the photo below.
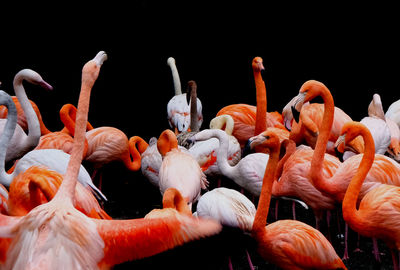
{"type": "Point", "coordinates": [289, 244]}
{"type": "Point", "coordinates": [377, 215]}
{"type": "Point", "coordinates": [393, 112]}
{"type": "Point", "coordinates": [55, 234]}
{"type": "Point", "coordinates": [179, 169]}
{"type": "Point", "coordinates": [230, 208]}
{"type": "Point", "coordinates": [21, 143]}
{"type": "Point", "coordinates": [178, 109]}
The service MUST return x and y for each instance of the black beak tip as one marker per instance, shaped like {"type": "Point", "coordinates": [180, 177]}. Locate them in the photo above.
{"type": "Point", "coordinates": [247, 149]}
{"type": "Point", "coordinates": [296, 114]}
{"type": "Point", "coordinates": [339, 154]}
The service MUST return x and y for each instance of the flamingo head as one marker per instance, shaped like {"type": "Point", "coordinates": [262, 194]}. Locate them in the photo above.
{"type": "Point", "coordinates": [350, 131]}
{"type": "Point", "coordinates": [32, 77]}
{"type": "Point", "coordinates": [224, 122]}
{"type": "Point", "coordinates": [90, 71]}
{"type": "Point", "coordinates": [166, 142]}
{"type": "Point", "coordinates": [257, 64]}
{"type": "Point", "coordinates": [171, 61]}
{"type": "Point", "coordinates": [267, 139]}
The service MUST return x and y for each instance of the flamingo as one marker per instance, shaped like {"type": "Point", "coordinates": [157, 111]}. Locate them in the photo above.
{"type": "Point", "coordinates": [311, 117]}
{"type": "Point", "coordinates": [376, 123]}
{"type": "Point", "coordinates": [251, 120]}
{"type": "Point", "coordinates": [55, 233]}
{"type": "Point", "coordinates": [292, 177]}
{"type": "Point", "coordinates": [205, 152]}
{"type": "Point", "coordinates": [38, 185]}
{"type": "Point", "coordinates": [289, 244]}
{"type": "Point", "coordinates": [378, 212]}
{"type": "Point", "coordinates": [3, 200]}
{"type": "Point", "coordinates": [393, 112]}
{"type": "Point", "coordinates": [230, 208]}
{"type": "Point", "coordinates": [384, 170]}
{"type": "Point", "coordinates": [179, 169]}
{"type": "Point", "coordinates": [63, 139]}
{"type": "Point", "coordinates": [178, 109]}
{"type": "Point", "coordinates": [53, 159]}
{"type": "Point", "coordinates": [20, 142]}
{"type": "Point", "coordinates": [247, 173]}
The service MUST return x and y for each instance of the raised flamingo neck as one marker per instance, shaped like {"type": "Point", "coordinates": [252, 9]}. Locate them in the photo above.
{"type": "Point", "coordinates": [290, 148]}
{"type": "Point", "coordinates": [261, 95]}
{"type": "Point", "coordinates": [175, 76]}
{"type": "Point", "coordinates": [90, 73]}
{"type": "Point", "coordinates": [351, 196]}
{"type": "Point", "coordinates": [260, 220]}
{"type": "Point", "coordinates": [194, 125]}
{"type": "Point", "coordinates": [316, 172]}
{"type": "Point", "coordinates": [68, 117]}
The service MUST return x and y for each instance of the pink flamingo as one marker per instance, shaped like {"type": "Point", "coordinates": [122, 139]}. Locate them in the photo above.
{"type": "Point", "coordinates": [55, 233]}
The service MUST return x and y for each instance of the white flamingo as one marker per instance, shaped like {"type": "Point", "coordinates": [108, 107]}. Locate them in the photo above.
{"type": "Point", "coordinates": [20, 142]}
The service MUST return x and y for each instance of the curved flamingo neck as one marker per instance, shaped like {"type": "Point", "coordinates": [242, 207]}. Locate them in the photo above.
{"type": "Point", "coordinates": [260, 220]}
{"type": "Point", "coordinates": [173, 199]}
{"type": "Point", "coordinates": [33, 122]}
{"type": "Point", "coordinates": [167, 142]}
{"type": "Point", "coordinates": [261, 114]}
{"type": "Point", "coordinates": [135, 153]}
{"type": "Point", "coordinates": [89, 75]}
{"type": "Point", "coordinates": [351, 196]}
{"type": "Point", "coordinates": [6, 136]}
{"type": "Point", "coordinates": [316, 172]}
{"type": "Point", "coordinates": [68, 117]}
{"type": "Point", "coordinates": [224, 122]}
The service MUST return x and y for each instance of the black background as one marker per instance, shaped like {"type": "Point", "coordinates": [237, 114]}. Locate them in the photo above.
{"type": "Point", "coordinates": [354, 50]}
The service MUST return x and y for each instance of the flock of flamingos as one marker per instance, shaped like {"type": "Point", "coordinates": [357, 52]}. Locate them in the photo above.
{"type": "Point", "coordinates": [311, 153]}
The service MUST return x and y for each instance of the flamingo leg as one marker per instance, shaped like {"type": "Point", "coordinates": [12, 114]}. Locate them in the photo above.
{"type": "Point", "coordinates": [276, 209]}
{"type": "Point", "coordinates": [230, 263]}
{"type": "Point", "coordinates": [328, 222]}
{"type": "Point", "coordinates": [376, 250]}
{"type": "Point", "coordinates": [358, 244]}
{"type": "Point", "coordinates": [249, 260]}
{"type": "Point", "coordinates": [294, 210]}
{"type": "Point", "coordinates": [346, 251]}
{"type": "Point", "coordinates": [394, 259]}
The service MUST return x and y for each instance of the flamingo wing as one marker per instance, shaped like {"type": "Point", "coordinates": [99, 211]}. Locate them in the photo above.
{"type": "Point", "coordinates": [127, 240]}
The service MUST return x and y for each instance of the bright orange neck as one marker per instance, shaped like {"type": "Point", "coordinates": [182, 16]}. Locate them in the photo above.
{"type": "Point", "coordinates": [261, 114]}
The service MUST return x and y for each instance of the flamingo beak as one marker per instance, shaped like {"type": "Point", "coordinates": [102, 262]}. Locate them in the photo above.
{"type": "Point", "coordinates": [45, 85]}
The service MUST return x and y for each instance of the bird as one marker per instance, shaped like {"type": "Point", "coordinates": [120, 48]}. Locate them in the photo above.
{"type": "Point", "coordinates": [292, 179]}
{"type": "Point", "coordinates": [384, 169]}
{"type": "Point", "coordinates": [52, 158]}
{"type": "Point", "coordinates": [3, 200]}
{"type": "Point", "coordinates": [21, 143]}
{"type": "Point", "coordinates": [63, 139]}
{"type": "Point", "coordinates": [38, 185]}
{"type": "Point", "coordinates": [178, 110]}
{"type": "Point", "coordinates": [393, 112]}
{"type": "Point", "coordinates": [230, 208]}
{"type": "Point", "coordinates": [376, 123]}
{"type": "Point", "coordinates": [179, 169]}
{"type": "Point", "coordinates": [378, 212]}
{"type": "Point", "coordinates": [205, 152]}
{"type": "Point", "coordinates": [56, 233]}
{"type": "Point", "coordinates": [308, 127]}
{"type": "Point", "coordinates": [247, 173]}
{"type": "Point", "coordinates": [251, 120]}
{"type": "Point", "coordinates": [288, 244]}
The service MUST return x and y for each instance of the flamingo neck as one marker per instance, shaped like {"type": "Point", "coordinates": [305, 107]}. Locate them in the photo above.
{"type": "Point", "coordinates": [316, 172]}
{"type": "Point", "coordinates": [260, 220]}
{"type": "Point", "coordinates": [135, 153]}
{"type": "Point", "coordinates": [68, 117]}
{"type": "Point", "coordinates": [176, 79]}
{"type": "Point", "coordinates": [222, 155]}
{"type": "Point", "coordinates": [67, 188]}
{"type": "Point", "coordinates": [5, 138]}
{"type": "Point", "coordinates": [351, 196]}
{"type": "Point", "coordinates": [173, 199]}
{"type": "Point", "coordinates": [31, 118]}
{"type": "Point", "coordinates": [290, 149]}
{"type": "Point", "coordinates": [194, 125]}
{"type": "Point", "coordinates": [261, 114]}
{"type": "Point", "coordinates": [167, 142]}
